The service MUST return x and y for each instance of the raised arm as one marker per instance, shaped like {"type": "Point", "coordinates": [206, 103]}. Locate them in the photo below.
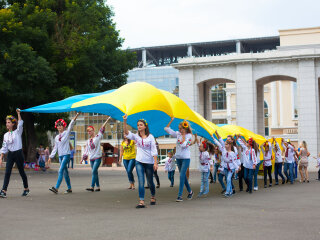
{"type": "Point", "coordinates": [242, 144]}
{"type": "Point", "coordinates": [168, 125]}
{"type": "Point", "coordinates": [125, 127]}
{"type": "Point", "coordinates": [71, 124]}
{"type": "Point", "coordinates": [20, 122]}
{"type": "Point", "coordinates": [105, 123]}
{"type": "Point", "coordinates": [196, 140]}
{"type": "Point", "coordinates": [19, 114]}
{"type": "Point", "coordinates": [169, 130]}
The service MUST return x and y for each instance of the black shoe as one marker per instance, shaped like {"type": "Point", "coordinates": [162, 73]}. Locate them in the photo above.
{"type": "Point", "coordinates": [153, 202]}
{"type": "Point", "coordinates": [189, 197]}
{"type": "Point", "coordinates": [54, 190]}
{"type": "Point", "coordinates": [241, 189]}
{"type": "Point", "coordinates": [250, 191]}
{"type": "Point", "coordinates": [90, 189]}
{"type": "Point", "coordinates": [179, 199]}
{"type": "Point", "coordinates": [265, 186]}
{"type": "Point", "coordinates": [25, 193]}
{"type": "Point", "coordinates": [146, 187]}
{"type": "Point", "coordinates": [3, 194]}
{"type": "Point", "coordinates": [223, 191]}
{"type": "Point", "coordinates": [287, 180]}
{"type": "Point", "coordinates": [211, 181]}
{"type": "Point", "coordinates": [97, 190]}
{"type": "Point", "coordinates": [283, 181]}
{"type": "Point", "coordinates": [140, 206]}
{"type": "Point", "coordinates": [234, 191]}
{"type": "Point", "coordinates": [270, 185]}
{"type": "Point", "coordinates": [68, 191]}
{"type": "Point", "coordinates": [158, 186]}
{"type": "Point", "coordinates": [247, 190]}
{"type": "Point", "coordinates": [171, 185]}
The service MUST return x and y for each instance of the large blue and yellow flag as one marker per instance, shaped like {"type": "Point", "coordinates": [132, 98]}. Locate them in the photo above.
{"type": "Point", "coordinates": [141, 100]}
{"type": "Point", "coordinates": [138, 100]}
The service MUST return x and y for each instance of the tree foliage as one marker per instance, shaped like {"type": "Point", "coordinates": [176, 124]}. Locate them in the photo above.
{"type": "Point", "coordinates": [51, 49]}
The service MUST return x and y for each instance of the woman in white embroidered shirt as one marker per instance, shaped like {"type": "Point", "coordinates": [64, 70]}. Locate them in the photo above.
{"type": "Point", "coordinates": [229, 161]}
{"type": "Point", "coordinates": [184, 136]}
{"type": "Point", "coordinates": [146, 158]}
{"type": "Point", "coordinates": [62, 146]}
{"type": "Point", "coordinates": [267, 164]}
{"type": "Point", "coordinates": [94, 153]}
{"type": "Point", "coordinates": [12, 144]}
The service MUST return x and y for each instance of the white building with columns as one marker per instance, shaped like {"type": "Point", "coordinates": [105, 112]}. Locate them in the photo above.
{"type": "Point", "coordinates": [286, 79]}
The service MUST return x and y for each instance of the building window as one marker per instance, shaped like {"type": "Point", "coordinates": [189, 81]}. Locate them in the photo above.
{"type": "Point", "coordinates": [266, 118]}
{"type": "Point", "coordinates": [95, 114]}
{"type": "Point", "coordinates": [163, 153]}
{"type": "Point", "coordinates": [220, 121]}
{"type": "Point", "coordinates": [219, 101]}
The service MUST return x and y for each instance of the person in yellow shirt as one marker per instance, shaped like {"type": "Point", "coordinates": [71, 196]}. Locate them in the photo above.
{"type": "Point", "coordinates": [128, 153]}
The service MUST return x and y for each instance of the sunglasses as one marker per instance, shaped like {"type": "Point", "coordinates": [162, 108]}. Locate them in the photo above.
{"type": "Point", "coordinates": [59, 125]}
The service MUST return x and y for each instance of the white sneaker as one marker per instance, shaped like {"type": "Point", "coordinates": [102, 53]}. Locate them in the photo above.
{"type": "Point", "coordinates": [255, 188]}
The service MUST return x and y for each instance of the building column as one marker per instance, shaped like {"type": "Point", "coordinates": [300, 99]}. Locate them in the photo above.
{"type": "Point", "coordinates": [238, 47]}
{"type": "Point", "coordinates": [189, 50]}
{"type": "Point", "coordinates": [229, 112]}
{"type": "Point", "coordinates": [246, 97]}
{"type": "Point", "coordinates": [260, 110]}
{"type": "Point", "coordinates": [308, 105]}
{"type": "Point", "coordinates": [190, 93]}
{"type": "Point", "coordinates": [281, 104]}
{"type": "Point", "coordinates": [144, 57]}
{"type": "Point", "coordinates": [274, 105]}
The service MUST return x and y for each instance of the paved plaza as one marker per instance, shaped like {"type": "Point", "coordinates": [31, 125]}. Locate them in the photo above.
{"type": "Point", "coordinates": [281, 212]}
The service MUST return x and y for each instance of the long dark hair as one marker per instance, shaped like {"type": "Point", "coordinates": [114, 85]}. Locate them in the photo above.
{"type": "Point", "coordinates": [210, 148]}
{"type": "Point", "coordinates": [146, 125]}
{"type": "Point", "coordinates": [234, 145]}
{"type": "Point", "coordinates": [128, 141]}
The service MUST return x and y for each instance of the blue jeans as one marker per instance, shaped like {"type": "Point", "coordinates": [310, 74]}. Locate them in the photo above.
{"type": "Point", "coordinates": [129, 166]}
{"type": "Point", "coordinates": [71, 161]}
{"type": "Point", "coordinates": [183, 165]}
{"type": "Point", "coordinates": [229, 181]}
{"type": "Point", "coordinates": [215, 170]}
{"type": "Point", "coordinates": [278, 171]}
{"type": "Point", "coordinates": [248, 174]}
{"type": "Point", "coordinates": [204, 182]}
{"type": "Point", "coordinates": [220, 178]}
{"type": "Point", "coordinates": [295, 170]}
{"type": "Point", "coordinates": [256, 174]}
{"type": "Point", "coordinates": [63, 171]}
{"type": "Point", "coordinates": [95, 177]}
{"type": "Point", "coordinates": [288, 166]}
{"type": "Point", "coordinates": [145, 168]}
{"type": "Point", "coordinates": [171, 177]}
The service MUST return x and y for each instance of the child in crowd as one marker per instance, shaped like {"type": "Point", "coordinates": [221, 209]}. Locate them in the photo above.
{"type": "Point", "coordinates": [205, 166]}
{"type": "Point", "coordinates": [170, 167]}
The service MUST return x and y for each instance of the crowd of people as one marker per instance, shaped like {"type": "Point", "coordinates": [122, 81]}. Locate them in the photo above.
{"type": "Point", "coordinates": [222, 159]}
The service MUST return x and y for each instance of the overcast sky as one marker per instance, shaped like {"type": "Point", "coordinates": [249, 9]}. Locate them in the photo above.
{"type": "Point", "coordinates": [160, 22]}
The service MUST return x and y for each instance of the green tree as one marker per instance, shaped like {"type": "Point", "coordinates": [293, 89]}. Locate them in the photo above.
{"type": "Point", "coordinates": [51, 49]}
